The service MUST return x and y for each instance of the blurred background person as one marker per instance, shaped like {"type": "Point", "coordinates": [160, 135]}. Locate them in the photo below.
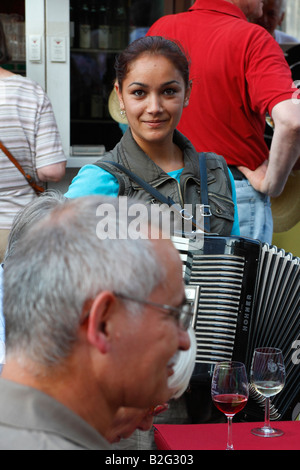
{"type": "Point", "coordinates": [272, 18]}
{"type": "Point", "coordinates": [28, 130]}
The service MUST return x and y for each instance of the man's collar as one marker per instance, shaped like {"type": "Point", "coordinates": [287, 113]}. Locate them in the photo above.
{"type": "Point", "coordinates": [221, 6]}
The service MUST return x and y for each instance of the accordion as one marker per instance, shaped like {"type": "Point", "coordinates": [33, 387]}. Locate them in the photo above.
{"type": "Point", "coordinates": [246, 295]}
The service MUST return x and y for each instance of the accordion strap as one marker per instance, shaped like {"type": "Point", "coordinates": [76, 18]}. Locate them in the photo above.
{"type": "Point", "coordinates": [38, 189]}
{"type": "Point", "coordinates": [206, 212]}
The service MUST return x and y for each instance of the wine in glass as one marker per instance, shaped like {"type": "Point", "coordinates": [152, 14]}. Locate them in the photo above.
{"type": "Point", "coordinates": [229, 391]}
{"type": "Point", "coordinates": [267, 376]}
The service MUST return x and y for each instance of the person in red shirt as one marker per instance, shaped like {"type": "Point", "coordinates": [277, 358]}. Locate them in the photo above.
{"type": "Point", "coordinates": [239, 75]}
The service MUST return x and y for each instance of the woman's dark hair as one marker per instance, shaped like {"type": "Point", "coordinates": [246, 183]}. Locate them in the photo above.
{"type": "Point", "coordinates": [155, 45]}
{"type": "Point", "coordinates": [4, 54]}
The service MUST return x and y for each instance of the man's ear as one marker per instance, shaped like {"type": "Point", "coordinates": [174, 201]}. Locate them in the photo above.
{"type": "Point", "coordinates": [99, 318]}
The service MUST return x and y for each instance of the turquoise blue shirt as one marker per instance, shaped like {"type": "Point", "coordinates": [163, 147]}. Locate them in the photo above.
{"type": "Point", "coordinates": [92, 180]}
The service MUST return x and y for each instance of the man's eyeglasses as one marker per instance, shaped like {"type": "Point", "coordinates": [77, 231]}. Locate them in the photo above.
{"type": "Point", "coordinates": [183, 314]}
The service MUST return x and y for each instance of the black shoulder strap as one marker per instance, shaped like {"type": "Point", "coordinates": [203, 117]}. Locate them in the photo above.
{"type": "Point", "coordinates": [160, 197]}
{"type": "Point", "coordinates": [206, 212]}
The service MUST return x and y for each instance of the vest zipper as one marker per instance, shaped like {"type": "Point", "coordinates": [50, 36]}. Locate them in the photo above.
{"type": "Point", "coordinates": [180, 194]}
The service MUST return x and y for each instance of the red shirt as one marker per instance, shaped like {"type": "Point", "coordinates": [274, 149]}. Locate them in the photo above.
{"type": "Point", "coordinates": [238, 71]}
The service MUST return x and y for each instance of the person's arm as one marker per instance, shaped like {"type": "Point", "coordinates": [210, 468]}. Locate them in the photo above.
{"type": "Point", "coordinates": [50, 160]}
{"type": "Point", "coordinates": [54, 172]}
{"type": "Point", "coordinates": [90, 180]}
{"type": "Point", "coordinates": [270, 177]}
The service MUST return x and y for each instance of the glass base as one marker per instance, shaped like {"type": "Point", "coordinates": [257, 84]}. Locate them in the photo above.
{"type": "Point", "coordinates": [267, 432]}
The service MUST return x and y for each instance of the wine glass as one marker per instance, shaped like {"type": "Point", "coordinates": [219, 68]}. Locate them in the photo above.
{"type": "Point", "coordinates": [267, 376]}
{"type": "Point", "coordinates": [229, 391]}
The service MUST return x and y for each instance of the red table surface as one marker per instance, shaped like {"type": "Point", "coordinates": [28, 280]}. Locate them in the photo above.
{"type": "Point", "coordinates": [214, 436]}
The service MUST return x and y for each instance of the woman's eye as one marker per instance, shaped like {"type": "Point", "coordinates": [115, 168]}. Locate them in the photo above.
{"type": "Point", "coordinates": [138, 93]}
{"type": "Point", "coordinates": [169, 91]}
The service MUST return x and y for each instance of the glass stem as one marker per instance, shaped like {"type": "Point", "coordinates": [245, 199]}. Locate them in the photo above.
{"type": "Point", "coordinates": [229, 437]}
{"type": "Point", "coordinates": [267, 413]}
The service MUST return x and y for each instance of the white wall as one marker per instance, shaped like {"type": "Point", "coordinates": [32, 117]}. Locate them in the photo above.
{"type": "Point", "coordinates": [292, 18]}
{"type": "Point", "coordinates": [47, 20]}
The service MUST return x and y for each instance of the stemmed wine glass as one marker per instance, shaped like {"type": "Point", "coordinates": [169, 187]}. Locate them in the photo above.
{"type": "Point", "coordinates": [267, 376]}
{"type": "Point", "coordinates": [229, 391]}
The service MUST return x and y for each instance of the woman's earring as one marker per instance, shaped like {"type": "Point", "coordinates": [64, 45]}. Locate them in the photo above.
{"type": "Point", "coordinates": [123, 113]}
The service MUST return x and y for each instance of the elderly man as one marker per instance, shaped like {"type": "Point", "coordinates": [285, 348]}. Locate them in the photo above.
{"type": "Point", "coordinates": [92, 324]}
{"type": "Point", "coordinates": [239, 74]}
{"type": "Point", "coordinates": [272, 18]}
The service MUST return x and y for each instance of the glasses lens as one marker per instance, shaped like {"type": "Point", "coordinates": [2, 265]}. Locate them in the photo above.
{"type": "Point", "coordinates": [186, 316]}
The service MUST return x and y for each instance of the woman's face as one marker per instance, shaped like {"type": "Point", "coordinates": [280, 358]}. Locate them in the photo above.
{"type": "Point", "coordinates": [153, 96]}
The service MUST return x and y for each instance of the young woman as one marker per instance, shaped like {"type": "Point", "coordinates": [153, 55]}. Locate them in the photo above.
{"type": "Point", "coordinates": [153, 87]}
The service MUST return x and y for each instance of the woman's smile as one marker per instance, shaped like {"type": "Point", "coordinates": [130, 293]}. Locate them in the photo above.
{"type": "Point", "coordinates": [155, 123]}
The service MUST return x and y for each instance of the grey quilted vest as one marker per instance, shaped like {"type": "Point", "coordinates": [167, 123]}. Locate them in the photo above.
{"type": "Point", "coordinates": [131, 156]}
